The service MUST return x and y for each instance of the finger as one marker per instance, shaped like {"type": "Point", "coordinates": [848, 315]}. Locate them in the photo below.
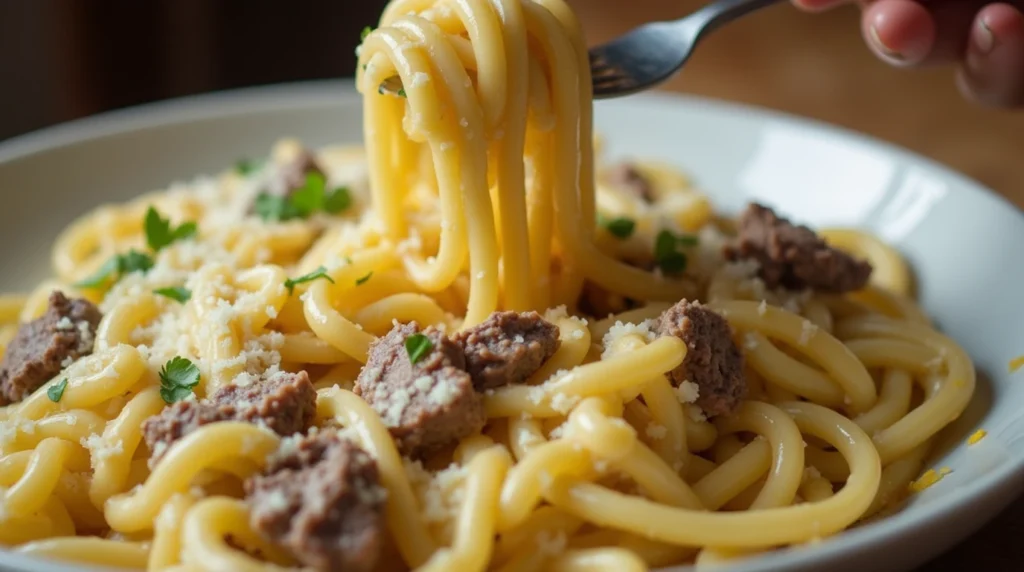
{"type": "Point", "coordinates": [993, 70]}
{"type": "Point", "coordinates": [900, 32]}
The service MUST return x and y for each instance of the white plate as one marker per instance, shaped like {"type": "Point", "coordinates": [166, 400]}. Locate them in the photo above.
{"type": "Point", "coordinates": [962, 240]}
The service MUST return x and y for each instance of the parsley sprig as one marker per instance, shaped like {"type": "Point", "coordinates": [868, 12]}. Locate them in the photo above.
{"type": "Point", "coordinates": [364, 279]}
{"type": "Point", "coordinates": [666, 251]}
{"type": "Point", "coordinates": [621, 227]}
{"type": "Point", "coordinates": [118, 266]}
{"type": "Point", "coordinates": [320, 272]}
{"type": "Point", "coordinates": [310, 198]}
{"type": "Point", "coordinates": [177, 293]}
{"type": "Point", "coordinates": [418, 346]}
{"type": "Point", "coordinates": [246, 167]}
{"type": "Point", "coordinates": [56, 391]}
{"type": "Point", "coordinates": [177, 378]}
{"type": "Point", "coordinates": [160, 233]}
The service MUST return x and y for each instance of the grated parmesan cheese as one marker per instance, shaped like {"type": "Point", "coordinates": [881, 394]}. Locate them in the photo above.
{"type": "Point", "coordinates": [976, 437]}
{"type": "Point", "coordinates": [687, 392]}
{"type": "Point", "coordinates": [656, 431]}
{"type": "Point", "coordinates": [807, 332]}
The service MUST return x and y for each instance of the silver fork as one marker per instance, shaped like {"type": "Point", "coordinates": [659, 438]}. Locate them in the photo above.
{"type": "Point", "coordinates": [650, 54]}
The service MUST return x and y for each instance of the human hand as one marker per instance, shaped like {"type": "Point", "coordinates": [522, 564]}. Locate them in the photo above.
{"type": "Point", "coordinates": [984, 39]}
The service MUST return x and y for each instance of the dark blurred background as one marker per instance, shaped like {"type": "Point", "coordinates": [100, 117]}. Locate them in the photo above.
{"type": "Point", "coordinates": [64, 59]}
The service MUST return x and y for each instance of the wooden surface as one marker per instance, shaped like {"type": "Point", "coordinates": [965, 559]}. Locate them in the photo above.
{"type": "Point", "coordinates": [818, 67]}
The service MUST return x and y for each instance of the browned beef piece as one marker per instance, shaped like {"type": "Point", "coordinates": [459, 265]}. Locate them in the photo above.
{"type": "Point", "coordinates": [284, 402]}
{"type": "Point", "coordinates": [324, 502]}
{"type": "Point", "coordinates": [627, 178]}
{"type": "Point", "coordinates": [426, 405]}
{"type": "Point", "coordinates": [48, 344]}
{"type": "Point", "coordinates": [713, 361]}
{"type": "Point", "coordinates": [793, 256]}
{"type": "Point", "coordinates": [507, 348]}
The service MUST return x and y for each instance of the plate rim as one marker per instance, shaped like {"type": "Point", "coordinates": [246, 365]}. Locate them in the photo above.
{"type": "Point", "coordinates": [234, 103]}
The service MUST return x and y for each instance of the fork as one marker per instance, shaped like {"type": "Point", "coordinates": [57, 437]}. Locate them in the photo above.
{"type": "Point", "coordinates": [650, 54]}
{"type": "Point", "coordinates": [653, 53]}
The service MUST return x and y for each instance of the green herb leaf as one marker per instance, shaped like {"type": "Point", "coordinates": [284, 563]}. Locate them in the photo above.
{"type": "Point", "coordinates": [246, 167]}
{"type": "Point", "coordinates": [56, 391]}
{"type": "Point", "coordinates": [672, 263]}
{"type": "Point", "coordinates": [134, 261]}
{"type": "Point", "coordinates": [338, 200]}
{"type": "Point", "coordinates": [401, 92]}
{"type": "Point", "coordinates": [177, 293]}
{"type": "Point", "coordinates": [321, 272]}
{"type": "Point", "coordinates": [664, 244]}
{"type": "Point", "coordinates": [417, 346]}
{"type": "Point", "coordinates": [621, 227]}
{"type": "Point", "coordinates": [177, 378]}
{"type": "Point", "coordinates": [688, 240]}
{"type": "Point", "coordinates": [364, 279]}
{"type": "Point", "coordinates": [117, 266]}
{"type": "Point", "coordinates": [670, 260]}
{"type": "Point", "coordinates": [274, 208]}
{"type": "Point", "coordinates": [103, 276]}
{"type": "Point", "coordinates": [366, 32]}
{"type": "Point", "coordinates": [159, 233]}
{"type": "Point", "coordinates": [310, 197]}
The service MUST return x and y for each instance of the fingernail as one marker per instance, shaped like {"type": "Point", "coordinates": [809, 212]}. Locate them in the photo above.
{"type": "Point", "coordinates": [888, 52]}
{"type": "Point", "coordinates": [984, 39]}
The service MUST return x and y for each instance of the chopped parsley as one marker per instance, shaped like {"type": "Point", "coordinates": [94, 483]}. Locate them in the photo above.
{"type": "Point", "coordinates": [177, 293]}
{"type": "Point", "coordinates": [621, 227]}
{"type": "Point", "coordinates": [418, 346]}
{"type": "Point", "coordinates": [56, 391]}
{"type": "Point", "coordinates": [320, 272]}
{"type": "Point", "coordinates": [338, 200]}
{"type": "Point", "coordinates": [366, 32]}
{"type": "Point", "coordinates": [364, 279]}
{"type": "Point", "coordinates": [310, 198]}
{"type": "Point", "coordinates": [177, 378]}
{"type": "Point", "coordinates": [401, 92]}
{"type": "Point", "coordinates": [119, 265]}
{"type": "Point", "coordinates": [666, 253]}
{"type": "Point", "coordinates": [246, 167]}
{"type": "Point", "coordinates": [159, 232]}
{"type": "Point", "coordinates": [274, 208]}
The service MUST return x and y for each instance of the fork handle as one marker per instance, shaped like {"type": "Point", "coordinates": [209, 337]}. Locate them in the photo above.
{"type": "Point", "coordinates": [715, 14]}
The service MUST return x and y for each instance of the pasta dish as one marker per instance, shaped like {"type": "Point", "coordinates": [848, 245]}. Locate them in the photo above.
{"type": "Point", "coordinates": [471, 344]}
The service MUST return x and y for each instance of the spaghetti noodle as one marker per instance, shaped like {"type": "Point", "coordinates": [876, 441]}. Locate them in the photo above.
{"type": "Point", "coordinates": [477, 191]}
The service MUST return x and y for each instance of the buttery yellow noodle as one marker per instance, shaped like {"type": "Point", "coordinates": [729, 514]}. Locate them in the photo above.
{"type": "Point", "coordinates": [474, 535]}
{"type": "Point", "coordinates": [739, 530]}
{"type": "Point", "coordinates": [403, 516]}
{"type": "Point", "coordinates": [204, 529]}
{"type": "Point", "coordinates": [826, 350]}
{"type": "Point", "coordinates": [167, 531]}
{"type": "Point", "coordinates": [100, 551]}
{"type": "Point", "coordinates": [91, 381]}
{"type": "Point", "coordinates": [944, 406]}
{"type": "Point", "coordinates": [135, 511]}
{"type": "Point", "coordinates": [111, 471]}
